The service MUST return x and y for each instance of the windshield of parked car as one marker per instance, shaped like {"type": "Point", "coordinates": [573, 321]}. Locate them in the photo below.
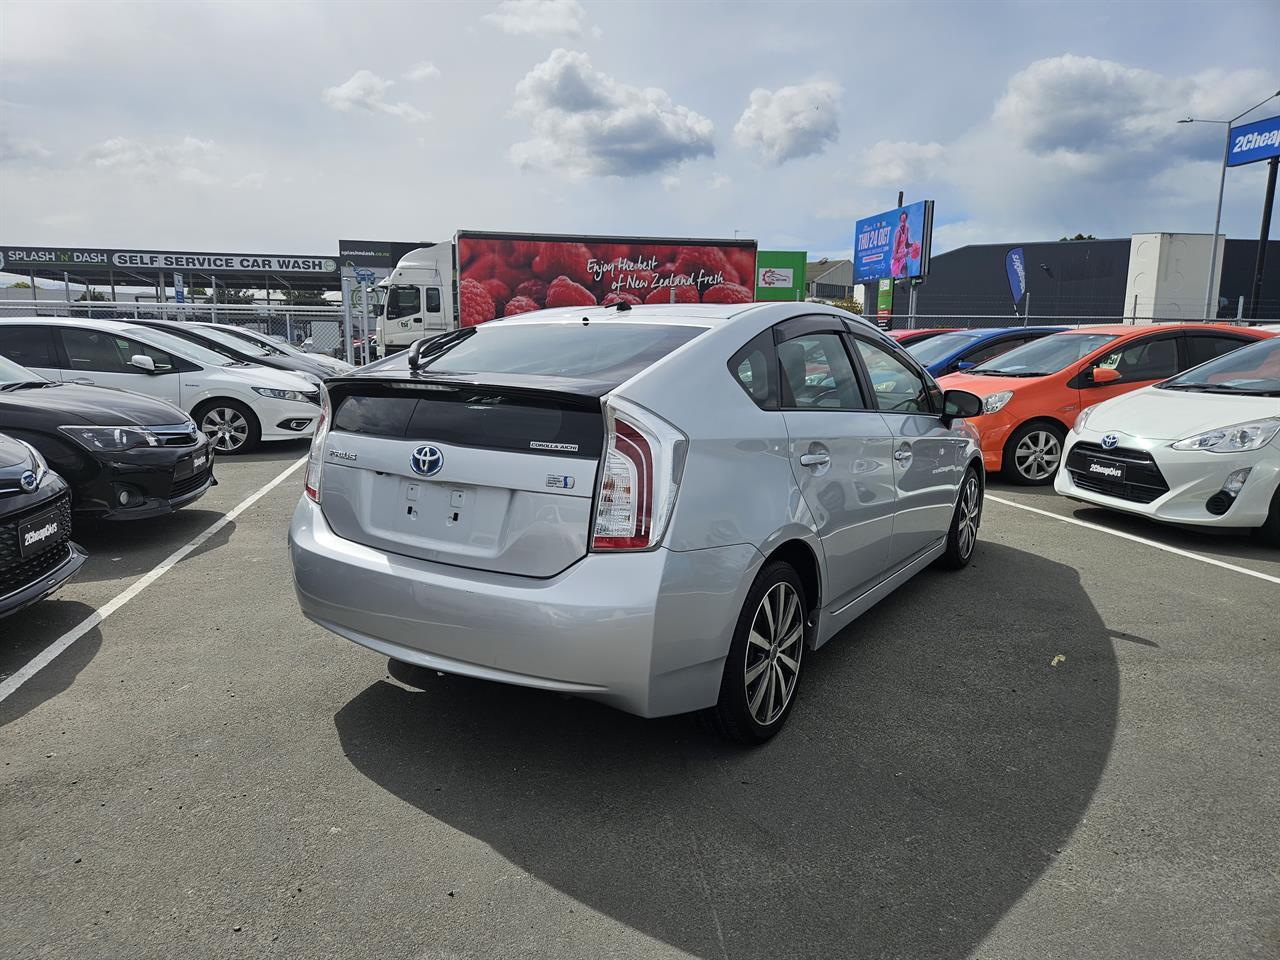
{"type": "Point", "coordinates": [235, 343]}
{"type": "Point", "coordinates": [258, 340]}
{"type": "Point", "coordinates": [14, 374]}
{"type": "Point", "coordinates": [602, 350]}
{"type": "Point", "coordinates": [1044, 356]}
{"type": "Point", "coordinates": [181, 348]}
{"type": "Point", "coordinates": [1252, 370]}
{"type": "Point", "coordinates": [935, 348]}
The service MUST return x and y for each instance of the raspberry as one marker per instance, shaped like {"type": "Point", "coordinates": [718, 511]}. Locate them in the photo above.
{"type": "Point", "coordinates": [743, 260]}
{"type": "Point", "coordinates": [475, 303]}
{"type": "Point", "coordinates": [518, 253]}
{"type": "Point", "coordinates": [563, 292]}
{"type": "Point", "coordinates": [519, 305]}
{"type": "Point", "coordinates": [708, 262]}
{"type": "Point", "coordinates": [616, 297]}
{"type": "Point", "coordinates": [636, 282]}
{"type": "Point", "coordinates": [498, 291]}
{"type": "Point", "coordinates": [563, 260]}
{"type": "Point", "coordinates": [533, 289]}
{"type": "Point", "coordinates": [491, 267]}
{"type": "Point", "coordinates": [609, 252]}
{"type": "Point", "coordinates": [727, 293]}
{"type": "Point", "coordinates": [685, 293]}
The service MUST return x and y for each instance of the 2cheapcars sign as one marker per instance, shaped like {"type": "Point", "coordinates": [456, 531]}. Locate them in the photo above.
{"type": "Point", "coordinates": [1255, 141]}
{"type": "Point", "coordinates": [505, 274]}
{"type": "Point", "coordinates": [893, 244]}
{"type": "Point", "coordinates": [67, 258]}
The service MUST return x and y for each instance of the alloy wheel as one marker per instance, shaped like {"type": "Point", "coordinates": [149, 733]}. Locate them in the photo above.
{"type": "Point", "coordinates": [226, 428]}
{"type": "Point", "coordinates": [774, 648]}
{"type": "Point", "coordinates": [1038, 454]}
{"type": "Point", "coordinates": [967, 527]}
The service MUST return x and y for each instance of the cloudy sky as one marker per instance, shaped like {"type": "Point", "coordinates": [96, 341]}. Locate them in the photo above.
{"type": "Point", "coordinates": [280, 127]}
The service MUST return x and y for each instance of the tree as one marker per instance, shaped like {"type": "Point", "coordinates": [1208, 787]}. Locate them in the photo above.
{"type": "Point", "coordinates": [851, 304]}
{"type": "Point", "coordinates": [1079, 236]}
{"type": "Point", "coordinates": [303, 298]}
{"type": "Point", "coordinates": [97, 296]}
{"type": "Point", "coordinates": [20, 285]}
{"type": "Point", "coordinates": [231, 296]}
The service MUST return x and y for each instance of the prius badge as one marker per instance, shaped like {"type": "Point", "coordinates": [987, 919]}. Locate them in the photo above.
{"type": "Point", "coordinates": [426, 460]}
{"type": "Point", "coordinates": [1109, 441]}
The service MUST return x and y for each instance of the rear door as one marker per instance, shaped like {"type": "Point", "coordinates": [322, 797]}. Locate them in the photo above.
{"type": "Point", "coordinates": [840, 453]}
{"type": "Point", "coordinates": [30, 345]}
{"type": "Point", "coordinates": [102, 358]}
{"type": "Point", "coordinates": [928, 457]}
{"type": "Point", "coordinates": [1140, 362]}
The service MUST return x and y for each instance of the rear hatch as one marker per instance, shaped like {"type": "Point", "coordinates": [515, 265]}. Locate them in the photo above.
{"type": "Point", "coordinates": [494, 476]}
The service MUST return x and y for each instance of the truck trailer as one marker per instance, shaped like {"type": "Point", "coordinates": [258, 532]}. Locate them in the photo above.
{"type": "Point", "coordinates": [482, 276]}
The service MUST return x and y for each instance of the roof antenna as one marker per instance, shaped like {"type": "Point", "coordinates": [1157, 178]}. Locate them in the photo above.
{"type": "Point", "coordinates": [622, 306]}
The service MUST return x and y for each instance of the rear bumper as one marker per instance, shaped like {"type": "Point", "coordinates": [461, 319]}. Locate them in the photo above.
{"type": "Point", "coordinates": [644, 632]}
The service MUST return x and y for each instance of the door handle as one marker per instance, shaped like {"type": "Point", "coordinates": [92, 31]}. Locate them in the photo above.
{"type": "Point", "coordinates": [814, 459]}
{"type": "Point", "coordinates": [902, 455]}
{"type": "Point", "coordinates": [83, 381]}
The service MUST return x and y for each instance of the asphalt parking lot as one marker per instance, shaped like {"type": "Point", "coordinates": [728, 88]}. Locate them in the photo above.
{"type": "Point", "coordinates": [1069, 749]}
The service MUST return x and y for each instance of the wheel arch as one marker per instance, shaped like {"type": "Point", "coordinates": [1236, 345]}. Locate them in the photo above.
{"type": "Point", "coordinates": [799, 555]}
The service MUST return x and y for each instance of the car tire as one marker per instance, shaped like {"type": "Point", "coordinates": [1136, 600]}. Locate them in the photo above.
{"type": "Point", "coordinates": [962, 537]}
{"type": "Point", "coordinates": [747, 710]}
{"type": "Point", "coordinates": [1269, 532]}
{"type": "Point", "coordinates": [232, 428]}
{"type": "Point", "coordinates": [1034, 453]}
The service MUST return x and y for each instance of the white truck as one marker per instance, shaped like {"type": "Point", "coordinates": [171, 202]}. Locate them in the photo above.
{"type": "Point", "coordinates": [481, 276]}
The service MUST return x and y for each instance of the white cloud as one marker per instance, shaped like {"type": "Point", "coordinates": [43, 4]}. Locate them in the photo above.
{"type": "Point", "coordinates": [251, 181]}
{"type": "Point", "coordinates": [547, 17]}
{"type": "Point", "coordinates": [21, 149]}
{"type": "Point", "coordinates": [791, 122]}
{"type": "Point", "coordinates": [180, 160]}
{"type": "Point", "coordinates": [585, 123]}
{"type": "Point", "coordinates": [424, 70]}
{"type": "Point", "coordinates": [367, 91]}
{"type": "Point", "coordinates": [897, 163]}
{"type": "Point", "coordinates": [718, 180]}
{"type": "Point", "coordinates": [670, 182]}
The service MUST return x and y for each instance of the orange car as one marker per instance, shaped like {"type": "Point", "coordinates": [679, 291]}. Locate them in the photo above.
{"type": "Point", "coordinates": [1033, 394]}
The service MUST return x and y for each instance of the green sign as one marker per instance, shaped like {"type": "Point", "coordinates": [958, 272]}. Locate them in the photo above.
{"type": "Point", "coordinates": [884, 301]}
{"type": "Point", "coordinates": [780, 274]}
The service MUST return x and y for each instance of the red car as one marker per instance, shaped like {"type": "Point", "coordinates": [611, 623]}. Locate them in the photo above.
{"type": "Point", "coordinates": [908, 337]}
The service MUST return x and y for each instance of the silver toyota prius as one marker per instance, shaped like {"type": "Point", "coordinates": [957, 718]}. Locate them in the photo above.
{"type": "Point", "coordinates": [657, 507]}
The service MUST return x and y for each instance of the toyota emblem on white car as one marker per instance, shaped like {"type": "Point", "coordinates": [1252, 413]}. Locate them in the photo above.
{"type": "Point", "coordinates": [1110, 441]}
{"type": "Point", "coordinates": [427, 460]}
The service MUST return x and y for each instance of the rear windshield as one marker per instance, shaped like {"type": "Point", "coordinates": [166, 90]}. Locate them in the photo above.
{"type": "Point", "coordinates": [604, 350]}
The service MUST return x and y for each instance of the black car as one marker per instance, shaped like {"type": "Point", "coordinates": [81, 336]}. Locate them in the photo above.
{"type": "Point", "coordinates": [229, 345]}
{"type": "Point", "coordinates": [125, 456]}
{"type": "Point", "coordinates": [36, 553]}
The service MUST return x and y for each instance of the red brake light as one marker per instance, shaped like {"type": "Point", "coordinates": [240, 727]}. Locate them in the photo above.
{"type": "Point", "coordinates": [639, 478]}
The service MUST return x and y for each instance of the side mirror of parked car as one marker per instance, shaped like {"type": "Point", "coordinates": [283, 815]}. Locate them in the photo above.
{"type": "Point", "coordinates": [142, 362]}
{"type": "Point", "coordinates": [1101, 375]}
{"type": "Point", "coordinates": [965, 365]}
{"type": "Point", "coordinates": [957, 404]}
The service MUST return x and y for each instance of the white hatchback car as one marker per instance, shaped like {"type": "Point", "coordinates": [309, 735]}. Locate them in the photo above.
{"type": "Point", "coordinates": [1199, 449]}
{"type": "Point", "coordinates": [235, 404]}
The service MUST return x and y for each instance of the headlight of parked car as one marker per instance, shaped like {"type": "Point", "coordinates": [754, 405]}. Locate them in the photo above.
{"type": "Point", "coordinates": [1242, 436]}
{"type": "Point", "coordinates": [111, 438]}
{"type": "Point", "coordinates": [1083, 419]}
{"type": "Point", "coordinates": [995, 403]}
{"type": "Point", "coordinates": [297, 395]}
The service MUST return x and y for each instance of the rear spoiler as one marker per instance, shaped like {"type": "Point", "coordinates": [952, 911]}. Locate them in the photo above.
{"type": "Point", "coordinates": [580, 394]}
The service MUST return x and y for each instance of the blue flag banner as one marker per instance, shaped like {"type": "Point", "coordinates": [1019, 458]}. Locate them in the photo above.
{"type": "Point", "coordinates": [1015, 266]}
{"type": "Point", "coordinates": [1254, 141]}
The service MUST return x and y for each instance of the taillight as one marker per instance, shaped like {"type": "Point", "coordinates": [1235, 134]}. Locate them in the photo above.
{"type": "Point", "coordinates": [639, 477]}
{"type": "Point", "coordinates": [315, 456]}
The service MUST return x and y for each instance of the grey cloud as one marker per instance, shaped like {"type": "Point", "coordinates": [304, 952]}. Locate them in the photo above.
{"type": "Point", "coordinates": [21, 149]}
{"type": "Point", "coordinates": [791, 122]}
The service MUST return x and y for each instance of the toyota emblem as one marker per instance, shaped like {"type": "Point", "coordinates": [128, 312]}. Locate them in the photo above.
{"type": "Point", "coordinates": [1109, 441]}
{"type": "Point", "coordinates": [28, 481]}
{"type": "Point", "coordinates": [427, 460]}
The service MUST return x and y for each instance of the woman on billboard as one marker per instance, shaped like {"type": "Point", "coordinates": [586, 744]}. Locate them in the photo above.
{"type": "Point", "coordinates": [903, 248]}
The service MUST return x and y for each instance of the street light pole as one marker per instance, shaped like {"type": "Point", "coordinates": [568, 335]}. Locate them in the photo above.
{"type": "Point", "coordinates": [1210, 308]}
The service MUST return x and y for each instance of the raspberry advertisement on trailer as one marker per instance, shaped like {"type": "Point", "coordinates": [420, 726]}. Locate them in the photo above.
{"type": "Point", "coordinates": [501, 275]}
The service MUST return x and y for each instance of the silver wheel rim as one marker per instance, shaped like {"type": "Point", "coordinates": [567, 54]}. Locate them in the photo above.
{"type": "Point", "coordinates": [774, 648]}
{"type": "Point", "coordinates": [1037, 455]}
{"type": "Point", "coordinates": [226, 428]}
{"type": "Point", "coordinates": [967, 521]}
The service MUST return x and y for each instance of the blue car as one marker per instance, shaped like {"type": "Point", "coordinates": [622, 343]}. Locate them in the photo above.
{"type": "Point", "coordinates": [962, 349]}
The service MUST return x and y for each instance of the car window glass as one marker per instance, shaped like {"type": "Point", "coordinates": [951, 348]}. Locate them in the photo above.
{"type": "Point", "coordinates": [106, 352]}
{"type": "Point", "coordinates": [754, 369]}
{"type": "Point", "coordinates": [29, 346]}
{"type": "Point", "coordinates": [403, 302]}
{"type": "Point", "coordinates": [1202, 348]}
{"type": "Point", "coordinates": [935, 348]}
{"type": "Point", "coordinates": [433, 300]}
{"type": "Point", "coordinates": [897, 387]}
{"type": "Point", "coordinates": [1145, 359]}
{"type": "Point", "coordinates": [817, 373]}
{"type": "Point", "coordinates": [989, 350]}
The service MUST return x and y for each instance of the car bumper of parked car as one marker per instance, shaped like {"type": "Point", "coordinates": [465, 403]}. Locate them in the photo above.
{"type": "Point", "coordinates": [47, 582]}
{"type": "Point", "coordinates": [286, 419]}
{"type": "Point", "coordinates": [994, 430]}
{"type": "Point", "coordinates": [149, 482]}
{"type": "Point", "coordinates": [644, 632]}
{"type": "Point", "coordinates": [1195, 482]}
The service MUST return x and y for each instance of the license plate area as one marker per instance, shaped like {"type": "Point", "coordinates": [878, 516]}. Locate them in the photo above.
{"type": "Point", "coordinates": [1104, 470]}
{"type": "Point", "coordinates": [39, 534]}
{"type": "Point", "coordinates": [190, 465]}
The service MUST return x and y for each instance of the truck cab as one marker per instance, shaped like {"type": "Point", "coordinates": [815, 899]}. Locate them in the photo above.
{"type": "Point", "coordinates": [418, 298]}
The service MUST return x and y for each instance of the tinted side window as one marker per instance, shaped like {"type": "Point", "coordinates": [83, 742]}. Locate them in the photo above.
{"type": "Point", "coordinates": [107, 353]}
{"type": "Point", "coordinates": [403, 301]}
{"type": "Point", "coordinates": [993, 349]}
{"type": "Point", "coordinates": [1151, 358]}
{"type": "Point", "coordinates": [755, 369]}
{"type": "Point", "coordinates": [433, 300]}
{"type": "Point", "coordinates": [897, 387]}
{"type": "Point", "coordinates": [1201, 348]}
{"type": "Point", "coordinates": [28, 346]}
{"type": "Point", "coordinates": [817, 373]}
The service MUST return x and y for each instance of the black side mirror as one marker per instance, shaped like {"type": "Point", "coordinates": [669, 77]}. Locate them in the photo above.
{"type": "Point", "coordinates": [959, 404]}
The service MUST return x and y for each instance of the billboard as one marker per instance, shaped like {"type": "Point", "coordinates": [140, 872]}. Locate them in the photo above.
{"type": "Point", "coordinates": [893, 244]}
{"type": "Point", "coordinates": [1255, 141]}
{"type": "Point", "coordinates": [502, 274]}
{"type": "Point", "coordinates": [780, 274]}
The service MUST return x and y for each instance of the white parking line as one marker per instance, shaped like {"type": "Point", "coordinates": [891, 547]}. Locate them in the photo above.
{"type": "Point", "coordinates": [50, 653]}
{"type": "Point", "coordinates": [1143, 540]}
